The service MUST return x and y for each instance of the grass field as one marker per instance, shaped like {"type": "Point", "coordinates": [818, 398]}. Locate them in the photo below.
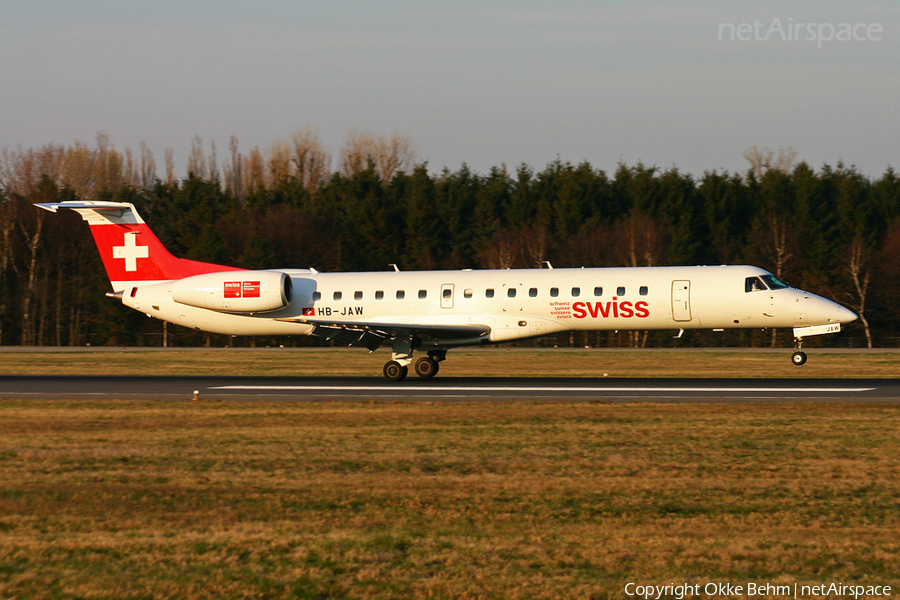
{"type": "Point", "coordinates": [493, 362]}
{"type": "Point", "coordinates": [463, 500]}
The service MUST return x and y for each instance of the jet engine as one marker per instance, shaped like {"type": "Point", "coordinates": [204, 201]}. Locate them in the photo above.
{"type": "Point", "coordinates": [235, 291]}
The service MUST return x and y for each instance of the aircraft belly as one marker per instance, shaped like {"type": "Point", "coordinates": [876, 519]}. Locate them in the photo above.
{"type": "Point", "coordinates": [217, 322]}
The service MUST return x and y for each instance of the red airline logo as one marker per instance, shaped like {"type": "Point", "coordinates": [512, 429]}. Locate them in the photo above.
{"type": "Point", "coordinates": [614, 309]}
{"type": "Point", "coordinates": [251, 289]}
{"type": "Point", "coordinates": [241, 289]}
{"type": "Point", "coordinates": [232, 289]}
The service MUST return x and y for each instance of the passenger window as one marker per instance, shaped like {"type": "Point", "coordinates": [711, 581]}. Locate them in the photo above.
{"type": "Point", "coordinates": [598, 291]}
{"type": "Point", "coordinates": [317, 296]}
{"type": "Point", "coordinates": [401, 294]}
{"type": "Point", "coordinates": [379, 295]}
{"type": "Point", "coordinates": [620, 291]}
{"type": "Point", "coordinates": [532, 293]}
{"type": "Point", "coordinates": [357, 295]}
{"type": "Point", "coordinates": [554, 292]}
{"type": "Point", "coordinates": [643, 290]}
{"type": "Point", "coordinates": [511, 292]}
{"type": "Point", "coordinates": [576, 292]}
{"type": "Point", "coordinates": [337, 295]}
{"type": "Point", "coordinates": [422, 294]}
{"type": "Point", "coordinates": [489, 293]}
{"type": "Point", "coordinates": [467, 293]}
{"type": "Point", "coordinates": [447, 293]}
{"type": "Point", "coordinates": [754, 284]}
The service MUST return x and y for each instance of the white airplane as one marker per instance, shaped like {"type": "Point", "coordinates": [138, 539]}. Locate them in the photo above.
{"type": "Point", "coordinates": [434, 311]}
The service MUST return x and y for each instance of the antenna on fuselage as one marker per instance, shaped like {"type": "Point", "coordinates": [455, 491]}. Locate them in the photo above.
{"type": "Point", "coordinates": [396, 268]}
{"type": "Point", "coordinates": [547, 262]}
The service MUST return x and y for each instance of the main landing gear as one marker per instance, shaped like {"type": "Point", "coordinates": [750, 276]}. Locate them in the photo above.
{"type": "Point", "coordinates": [426, 367]}
{"type": "Point", "coordinates": [395, 371]}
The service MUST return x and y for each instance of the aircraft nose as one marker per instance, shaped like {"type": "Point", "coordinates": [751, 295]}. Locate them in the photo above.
{"type": "Point", "coordinates": [845, 315]}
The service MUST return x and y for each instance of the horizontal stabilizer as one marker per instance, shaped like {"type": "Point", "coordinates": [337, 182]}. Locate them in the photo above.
{"type": "Point", "coordinates": [99, 213]}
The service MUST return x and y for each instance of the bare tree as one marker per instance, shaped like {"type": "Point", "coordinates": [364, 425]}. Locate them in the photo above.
{"type": "Point", "coordinates": [784, 160]}
{"type": "Point", "coordinates": [279, 163]}
{"type": "Point", "coordinates": [21, 170]}
{"type": "Point", "coordinates": [515, 248]}
{"type": "Point", "coordinates": [33, 242]}
{"type": "Point", "coordinates": [762, 160]}
{"type": "Point", "coordinates": [8, 220]}
{"type": "Point", "coordinates": [534, 245]}
{"type": "Point", "coordinates": [196, 160]}
{"type": "Point", "coordinates": [388, 156]}
{"type": "Point", "coordinates": [858, 268]}
{"type": "Point", "coordinates": [148, 167]}
{"type": "Point", "coordinates": [234, 182]}
{"type": "Point", "coordinates": [395, 154]}
{"type": "Point", "coordinates": [642, 241]}
{"type": "Point", "coordinates": [357, 153]}
{"type": "Point", "coordinates": [78, 170]}
{"type": "Point", "coordinates": [212, 164]}
{"type": "Point", "coordinates": [170, 166]}
{"type": "Point", "coordinates": [502, 251]}
{"type": "Point", "coordinates": [255, 172]}
{"type": "Point", "coordinates": [311, 161]}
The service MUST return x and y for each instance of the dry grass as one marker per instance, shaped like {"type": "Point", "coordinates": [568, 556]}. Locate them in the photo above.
{"type": "Point", "coordinates": [494, 362]}
{"type": "Point", "coordinates": [381, 500]}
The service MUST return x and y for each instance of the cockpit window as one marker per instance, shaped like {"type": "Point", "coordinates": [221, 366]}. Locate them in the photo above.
{"type": "Point", "coordinates": [774, 283]}
{"type": "Point", "coordinates": [754, 284]}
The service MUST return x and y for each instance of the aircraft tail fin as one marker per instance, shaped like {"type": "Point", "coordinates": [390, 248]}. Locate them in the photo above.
{"type": "Point", "coordinates": [130, 251]}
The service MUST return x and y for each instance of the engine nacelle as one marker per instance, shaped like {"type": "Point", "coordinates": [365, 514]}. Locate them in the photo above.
{"type": "Point", "coordinates": [235, 291]}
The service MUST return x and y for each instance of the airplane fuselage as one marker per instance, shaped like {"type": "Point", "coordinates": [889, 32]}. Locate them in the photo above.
{"type": "Point", "coordinates": [514, 304]}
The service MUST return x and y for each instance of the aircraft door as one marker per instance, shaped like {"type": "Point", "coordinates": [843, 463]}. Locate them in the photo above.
{"type": "Point", "coordinates": [681, 300]}
{"type": "Point", "coordinates": [447, 295]}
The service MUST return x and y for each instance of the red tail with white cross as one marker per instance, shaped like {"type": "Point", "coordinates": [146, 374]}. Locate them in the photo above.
{"type": "Point", "coordinates": [130, 251]}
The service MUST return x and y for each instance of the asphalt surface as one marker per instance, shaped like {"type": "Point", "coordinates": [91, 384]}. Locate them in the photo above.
{"type": "Point", "coordinates": [300, 389]}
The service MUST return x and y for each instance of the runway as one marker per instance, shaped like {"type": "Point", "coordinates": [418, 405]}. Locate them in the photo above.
{"type": "Point", "coordinates": [299, 389]}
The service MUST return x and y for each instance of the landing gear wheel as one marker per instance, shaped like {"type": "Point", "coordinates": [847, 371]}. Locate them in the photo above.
{"type": "Point", "coordinates": [395, 371]}
{"type": "Point", "coordinates": [798, 358]}
{"type": "Point", "coordinates": [427, 367]}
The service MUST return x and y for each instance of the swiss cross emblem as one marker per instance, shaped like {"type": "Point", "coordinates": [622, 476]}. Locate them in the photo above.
{"type": "Point", "coordinates": [309, 312]}
{"type": "Point", "coordinates": [130, 251]}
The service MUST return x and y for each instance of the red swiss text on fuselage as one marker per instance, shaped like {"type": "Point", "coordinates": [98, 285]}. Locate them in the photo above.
{"type": "Point", "coordinates": [613, 309]}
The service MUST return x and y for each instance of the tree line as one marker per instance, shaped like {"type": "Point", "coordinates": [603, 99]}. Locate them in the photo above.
{"type": "Point", "coordinates": [831, 230]}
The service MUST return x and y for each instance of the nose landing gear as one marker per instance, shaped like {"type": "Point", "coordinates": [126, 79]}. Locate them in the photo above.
{"type": "Point", "coordinates": [799, 356]}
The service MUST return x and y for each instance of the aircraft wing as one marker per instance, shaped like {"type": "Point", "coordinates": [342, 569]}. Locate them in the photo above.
{"type": "Point", "coordinates": [372, 334]}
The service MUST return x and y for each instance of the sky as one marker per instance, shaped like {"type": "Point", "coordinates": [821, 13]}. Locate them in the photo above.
{"type": "Point", "coordinates": [484, 83]}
